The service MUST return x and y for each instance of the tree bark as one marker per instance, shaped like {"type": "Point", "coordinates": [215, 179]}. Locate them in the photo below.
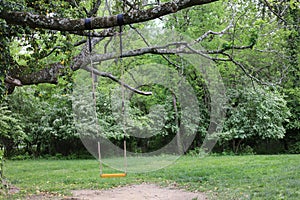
{"type": "Point", "coordinates": [66, 24]}
{"type": "Point", "coordinates": [50, 74]}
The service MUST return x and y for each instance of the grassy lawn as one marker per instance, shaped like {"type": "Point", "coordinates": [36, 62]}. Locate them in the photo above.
{"type": "Point", "coordinates": [220, 177]}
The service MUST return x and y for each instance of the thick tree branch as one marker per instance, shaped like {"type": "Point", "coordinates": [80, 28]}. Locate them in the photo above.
{"type": "Point", "coordinates": [135, 52]}
{"type": "Point", "coordinates": [82, 60]}
{"type": "Point", "coordinates": [66, 24]}
{"type": "Point", "coordinates": [104, 33]}
{"type": "Point", "coordinates": [51, 73]}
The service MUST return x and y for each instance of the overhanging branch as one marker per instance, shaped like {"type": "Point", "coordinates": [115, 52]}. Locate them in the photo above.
{"type": "Point", "coordinates": [66, 24]}
{"type": "Point", "coordinates": [110, 76]}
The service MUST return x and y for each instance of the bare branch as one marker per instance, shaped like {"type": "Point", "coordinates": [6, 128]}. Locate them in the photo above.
{"type": "Point", "coordinates": [148, 45]}
{"type": "Point", "coordinates": [243, 68]}
{"type": "Point", "coordinates": [12, 81]}
{"type": "Point", "coordinates": [220, 51]}
{"type": "Point", "coordinates": [80, 43]}
{"type": "Point", "coordinates": [94, 9]}
{"type": "Point", "coordinates": [132, 6]}
{"type": "Point", "coordinates": [178, 48]}
{"type": "Point", "coordinates": [110, 76]}
{"type": "Point", "coordinates": [271, 9]}
{"type": "Point", "coordinates": [210, 32]}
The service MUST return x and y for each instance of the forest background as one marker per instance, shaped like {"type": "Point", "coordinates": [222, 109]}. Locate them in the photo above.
{"type": "Point", "coordinates": [253, 44]}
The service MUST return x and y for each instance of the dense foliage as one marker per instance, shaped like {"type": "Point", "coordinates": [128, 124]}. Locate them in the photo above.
{"type": "Point", "coordinates": [255, 46]}
{"type": "Point", "coordinates": [254, 114]}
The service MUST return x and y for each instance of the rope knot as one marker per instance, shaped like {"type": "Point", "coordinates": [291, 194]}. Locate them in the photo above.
{"type": "Point", "coordinates": [88, 23]}
{"type": "Point", "coordinates": [120, 19]}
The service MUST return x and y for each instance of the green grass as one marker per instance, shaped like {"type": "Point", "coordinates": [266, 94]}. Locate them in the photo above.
{"type": "Point", "coordinates": [221, 177]}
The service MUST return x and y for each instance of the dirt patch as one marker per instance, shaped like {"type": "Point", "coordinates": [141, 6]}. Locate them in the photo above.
{"type": "Point", "coordinates": [137, 192]}
{"type": "Point", "coordinates": [132, 192]}
{"type": "Point", "coordinates": [10, 189]}
{"type": "Point", "coordinates": [44, 196]}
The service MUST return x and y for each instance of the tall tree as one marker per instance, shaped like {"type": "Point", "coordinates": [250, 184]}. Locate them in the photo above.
{"type": "Point", "coordinates": [48, 34]}
{"type": "Point", "coordinates": [44, 40]}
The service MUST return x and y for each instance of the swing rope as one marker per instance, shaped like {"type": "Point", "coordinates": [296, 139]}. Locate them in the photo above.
{"type": "Point", "coordinates": [88, 25]}
{"type": "Point", "coordinates": [120, 23]}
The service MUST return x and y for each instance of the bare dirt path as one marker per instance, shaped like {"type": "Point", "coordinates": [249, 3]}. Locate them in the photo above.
{"type": "Point", "coordinates": [137, 192]}
{"type": "Point", "coordinates": [143, 191]}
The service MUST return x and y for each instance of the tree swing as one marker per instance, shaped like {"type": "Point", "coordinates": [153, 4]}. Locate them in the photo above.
{"type": "Point", "coordinates": [88, 25]}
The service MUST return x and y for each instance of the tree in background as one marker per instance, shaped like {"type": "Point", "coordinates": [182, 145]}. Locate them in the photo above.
{"type": "Point", "coordinates": [47, 121]}
{"type": "Point", "coordinates": [11, 130]}
{"type": "Point", "coordinates": [254, 114]}
{"type": "Point", "coordinates": [42, 41]}
{"type": "Point", "coordinates": [49, 33]}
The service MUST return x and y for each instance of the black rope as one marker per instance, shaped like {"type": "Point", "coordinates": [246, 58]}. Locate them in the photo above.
{"type": "Point", "coordinates": [90, 42]}
{"type": "Point", "coordinates": [120, 60]}
{"type": "Point", "coordinates": [120, 22]}
{"type": "Point", "coordinates": [88, 23]}
{"type": "Point", "coordinates": [120, 19]}
{"type": "Point", "coordinates": [88, 26]}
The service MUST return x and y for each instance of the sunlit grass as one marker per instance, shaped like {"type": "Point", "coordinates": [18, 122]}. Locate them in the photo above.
{"type": "Point", "coordinates": [221, 177]}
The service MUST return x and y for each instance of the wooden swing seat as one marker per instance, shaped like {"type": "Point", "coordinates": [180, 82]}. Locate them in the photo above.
{"type": "Point", "coordinates": [113, 175]}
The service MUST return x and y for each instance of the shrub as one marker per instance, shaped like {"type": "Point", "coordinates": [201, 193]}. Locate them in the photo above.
{"type": "Point", "coordinates": [294, 148]}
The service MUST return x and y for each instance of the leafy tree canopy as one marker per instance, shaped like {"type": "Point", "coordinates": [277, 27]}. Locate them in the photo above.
{"type": "Point", "coordinates": [46, 41]}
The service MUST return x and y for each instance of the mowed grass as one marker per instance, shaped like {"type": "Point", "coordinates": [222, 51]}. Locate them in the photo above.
{"type": "Point", "coordinates": [220, 177]}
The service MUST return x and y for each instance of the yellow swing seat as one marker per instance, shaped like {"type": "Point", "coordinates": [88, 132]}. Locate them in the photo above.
{"type": "Point", "coordinates": [113, 175]}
